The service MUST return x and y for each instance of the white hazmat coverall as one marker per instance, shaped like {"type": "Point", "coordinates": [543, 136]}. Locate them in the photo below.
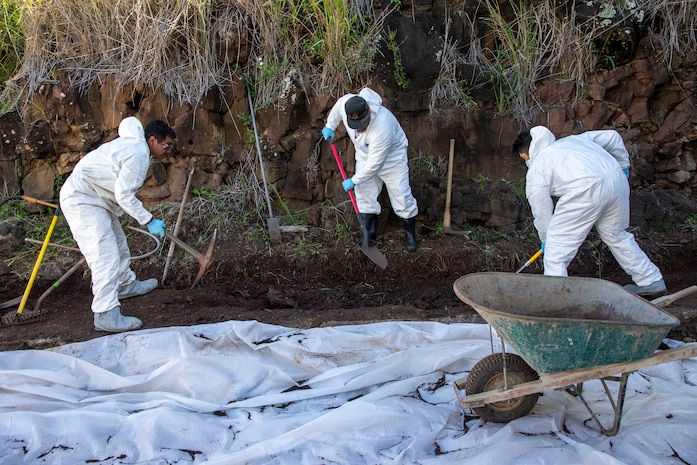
{"type": "Point", "coordinates": [381, 157]}
{"type": "Point", "coordinates": [585, 172]}
{"type": "Point", "coordinates": [101, 188]}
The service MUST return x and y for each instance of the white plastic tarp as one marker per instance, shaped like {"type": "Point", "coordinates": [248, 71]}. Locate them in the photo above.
{"type": "Point", "coordinates": [251, 393]}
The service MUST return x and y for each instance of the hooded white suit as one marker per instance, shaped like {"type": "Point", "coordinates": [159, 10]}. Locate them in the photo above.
{"type": "Point", "coordinates": [585, 172]}
{"type": "Point", "coordinates": [381, 157]}
{"type": "Point", "coordinates": [101, 188]}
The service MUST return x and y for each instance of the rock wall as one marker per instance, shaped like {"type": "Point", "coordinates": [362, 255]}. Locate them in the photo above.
{"type": "Point", "coordinates": [651, 105]}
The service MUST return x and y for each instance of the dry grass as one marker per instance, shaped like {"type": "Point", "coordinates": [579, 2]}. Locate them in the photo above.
{"type": "Point", "coordinates": [449, 88]}
{"type": "Point", "coordinates": [515, 53]}
{"type": "Point", "coordinates": [674, 24]}
{"type": "Point", "coordinates": [186, 47]}
{"type": "Point", "coordinates": [242, 201]}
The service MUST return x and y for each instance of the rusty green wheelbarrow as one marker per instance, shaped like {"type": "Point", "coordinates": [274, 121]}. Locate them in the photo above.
{"type": "Point", "coordinates": [565, 330]}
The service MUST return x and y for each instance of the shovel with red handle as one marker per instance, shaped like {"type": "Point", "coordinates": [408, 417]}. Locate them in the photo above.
{"type": "Point", "coordinates": [371, 251]}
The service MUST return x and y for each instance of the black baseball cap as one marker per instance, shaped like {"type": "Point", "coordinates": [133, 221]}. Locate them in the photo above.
{"type": "Point", "coordinates": [357, 112]}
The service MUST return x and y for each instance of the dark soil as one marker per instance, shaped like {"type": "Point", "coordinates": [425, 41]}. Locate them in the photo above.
{"type": "Point", "coordinates": [317, 278]}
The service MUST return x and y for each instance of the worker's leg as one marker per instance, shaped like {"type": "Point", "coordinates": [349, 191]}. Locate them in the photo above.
{"type": "Point", "coordinates": [570, 224]}
{"type": "Point", "coordinates": [367, 194]}
{"type": "Point", "coordinates": [396, 179]}
{"type": "Point", "coordinates": [91, 227]}
{"type": "Point", "coordinates": [129, 286]}
{"type": "Point", "coordinates": [612, 228]}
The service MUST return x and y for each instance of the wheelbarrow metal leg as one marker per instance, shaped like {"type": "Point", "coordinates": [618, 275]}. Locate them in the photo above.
{"type": "Point", "coordinates": [617, 406]}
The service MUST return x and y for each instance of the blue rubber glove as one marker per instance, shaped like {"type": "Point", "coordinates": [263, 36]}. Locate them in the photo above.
{"type": "Point", "coordinates": [157, 227]}
{"type": "Point", "coordinates": [542, 247]}
{"type": "Point", "coordinates": [348, 184]}
{"type": "Point", "coordinates": [626, 171]}
{"type": "Point", "coordinates": [327, 133]}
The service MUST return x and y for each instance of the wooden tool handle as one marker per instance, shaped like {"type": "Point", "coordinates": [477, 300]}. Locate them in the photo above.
{"type": "Point", "coordinates": [666, 300]}
{"type": "Point", "coordinates": [446, 215]}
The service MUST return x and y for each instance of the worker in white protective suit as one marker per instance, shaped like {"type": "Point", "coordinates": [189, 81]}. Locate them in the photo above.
{"type": "Point", "coordinates": [588, 174]}
{"type": "Point", "coordinates": [101, 188]}
{"type": "Point", "coordinates": [381, 159]}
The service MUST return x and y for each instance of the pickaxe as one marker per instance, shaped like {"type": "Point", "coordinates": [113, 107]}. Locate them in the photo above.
{"type": "Point", "coordinates": [203, 260]}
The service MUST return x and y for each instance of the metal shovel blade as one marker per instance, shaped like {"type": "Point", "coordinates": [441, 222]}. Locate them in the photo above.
{"type": "Point", "coordinates": [371, 251]}
{"type": "Point", "coordinates": [274, 230]}
{"type": "Point", "coordinates": [374, 254]}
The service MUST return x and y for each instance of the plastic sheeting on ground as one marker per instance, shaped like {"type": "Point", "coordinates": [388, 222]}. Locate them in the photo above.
{"type": "Point", "coordinates": [251, 393]}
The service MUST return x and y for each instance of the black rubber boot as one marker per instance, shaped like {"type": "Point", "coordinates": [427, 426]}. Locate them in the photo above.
{"type": "Point", "coordinates": [371, 223]}
{"type": "Point", "coordinates": [410, 233]}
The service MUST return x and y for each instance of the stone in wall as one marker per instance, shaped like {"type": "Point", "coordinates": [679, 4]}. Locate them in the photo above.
{"type": "Point", "coordinates": [40, 180]}
{"type": "Point", "coordinates": [11, 239]}
{"type": "Point", "coordinates": [656, 206]}
{"type": "Point", "coordinates": [11, 130]}
{"type": "Point", "coordinates": [493, 204]}
{"type": "Point", "coordinates": [36, 142]}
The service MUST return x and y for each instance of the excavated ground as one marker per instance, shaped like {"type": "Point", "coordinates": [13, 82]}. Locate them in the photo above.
{"type": "Point", "coordinates": [317, 278]}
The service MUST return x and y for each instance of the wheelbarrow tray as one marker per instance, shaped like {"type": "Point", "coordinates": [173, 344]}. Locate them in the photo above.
{"type": "Point", "coordinates": [566, 323]}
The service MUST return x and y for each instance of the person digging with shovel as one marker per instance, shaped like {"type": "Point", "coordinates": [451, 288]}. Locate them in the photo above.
{"type": "Point", "coordinates": [381, 159]}
{"type": "Point", "coordinates": [588, 174]}
{"type": "Point", "coordinates": [101, 188]}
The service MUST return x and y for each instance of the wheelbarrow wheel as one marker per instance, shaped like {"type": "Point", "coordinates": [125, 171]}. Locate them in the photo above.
{"type": "Point", "coordinates": [487, 375]}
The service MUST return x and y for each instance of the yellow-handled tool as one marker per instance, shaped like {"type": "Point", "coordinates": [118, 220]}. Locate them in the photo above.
{"type": "Point", "coordinates": [529, 262]}
{"type": "Point", "coordinates": [35, 271]}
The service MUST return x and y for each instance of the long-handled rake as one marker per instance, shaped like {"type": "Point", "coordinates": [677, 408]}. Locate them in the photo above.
{"type": "Point", "coordinates": [17, 318]}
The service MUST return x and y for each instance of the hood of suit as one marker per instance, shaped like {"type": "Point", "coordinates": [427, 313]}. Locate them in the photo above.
{"type": "Point", "coordinates": [541, 138]}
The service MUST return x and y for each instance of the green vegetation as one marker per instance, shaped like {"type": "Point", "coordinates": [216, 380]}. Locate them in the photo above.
{"type": "Point", "coordinates": [439, 229]}
{"type": "Point", "coordinates": [11, 39]}
{"type": "Point", "coordinates": [400, 76]}
{"type": "Point", "coordinates": [597, 256]}
{"type": "Point", "coordinates": [427, 163]}
{"type": "Point", "coordinates": [239, 203]}
{"type": "Point", "coordinates": [248, 124]}
{"type": "Point", "coordinates": [519, 188]}
{"type": "Point", "coordinates": [519, 51]}
{"type": "Point", "coordinates": [464, 90]}
{"type": "Point", "coordinates": [34, 224]}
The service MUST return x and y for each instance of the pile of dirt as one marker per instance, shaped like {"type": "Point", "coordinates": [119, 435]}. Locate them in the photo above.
{"type": "Point", "coordinates": [316, 278]}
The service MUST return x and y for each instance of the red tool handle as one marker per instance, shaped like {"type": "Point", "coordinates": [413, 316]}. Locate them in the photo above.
{"type": "Point", "coordinates": [343, 176]}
